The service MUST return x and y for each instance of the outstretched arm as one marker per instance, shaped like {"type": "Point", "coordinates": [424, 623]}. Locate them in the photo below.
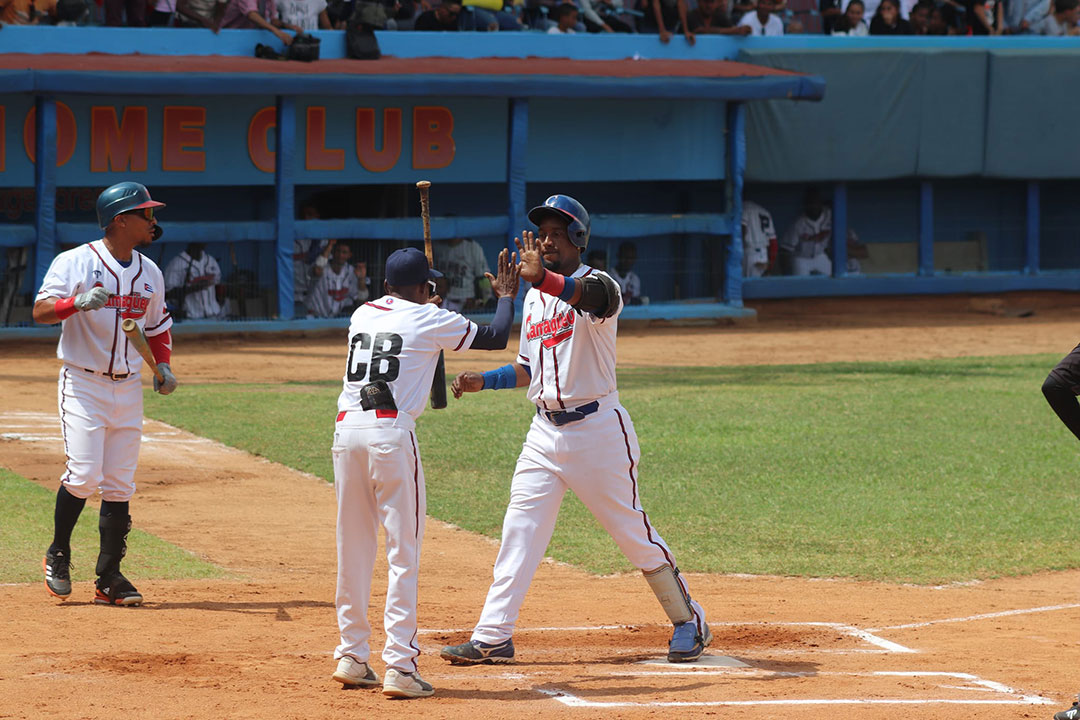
{"type": "Point", "coordinates": [505, 287]}
{"type": "Point", "coordinates": [498, 379]}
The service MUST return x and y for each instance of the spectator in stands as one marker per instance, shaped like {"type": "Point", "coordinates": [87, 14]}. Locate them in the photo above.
{"type": "Point", "coordinates": [162, 13]}
{"type": "Point", "coordinates": [985, 17]}
{"type": "Point", "coordinates": [920, 18]}
{"type": "Point", "coordinates": [63, 13]}
{"type": "Point", "coordinates": [305, 252]}
{"type": "Point", "coordinates": [708, 18]}
{"type": "Point", "coordinates": [566, 17]}
{"type": "Point", "coordinates": [942, 21]}
{"type": "Point", "coordinates": [125, 12]}
{"type": "Point", "coordinates": [665, 17]}
{"type": "Point", "coordinates": [487, 15]}
{"type": "Point", "coordinates": [338, 290]}
{"type": "Point", "coordinates": [442, 17]}
{"type": "Point", "coordinates": [804, 248]}
{"type": "Point", "coordinates": [602, 16]}
{"type": "Point", "coordinates": [758, 238]}
{"type": "Point", "coordinates": [762, 21]}
{"type": "Point", "coordinates": [740, 8]}
{"type": "Point", "coordinates": [1062, 21]}
{"type": "Point", "coordinates": [629, 282]}
{"type": "Point", "coordinates": [1023, 15]}
{"type": "Point", "coordinates": [257, 14]}
{"type": "Point", "coordinates": [464, 266]}
{"type": "Point", "coordinates": [831, 11]}
{"type": "Point", "coordinates": [851, 23]}
{"type": "Point", "coordinates": [18, 12]}
{"type": "Point", "coordinates": [304, 14]}
{"type": "Point", "coordinates": [794, 27]}
{"type": "Point", "coordinates": [200, 13]}
{"type": "Point", "coordinates": [887, 21]}
{"type": "Point", "coordinates": [191, 284]}
{"type": "Point", "coordinates": [597, 259]}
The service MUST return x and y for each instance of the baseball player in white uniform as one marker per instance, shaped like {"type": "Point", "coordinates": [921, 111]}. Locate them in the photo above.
{"type": "Point", "coordinates": [91, 289]}
{"type": "Point", "coordinates": [337, 288]}
{"type": "Point", "coordinates": [807, 240]}
{"type": "Point", "coordinates": [194, 275]}
{"type": "Point", "coordinates": [581, 438]}
{"type": "Point", "coordinates": [394, 345]}
{"type": "Point", "coordinates": [759, 239]}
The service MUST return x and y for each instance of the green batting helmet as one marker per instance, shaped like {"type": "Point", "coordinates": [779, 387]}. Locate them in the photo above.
{"type": "Point", "coordinates": [120, 198]}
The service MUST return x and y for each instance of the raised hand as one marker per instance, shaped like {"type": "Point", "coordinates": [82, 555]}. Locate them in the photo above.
{"type": "Point", "coordinates": [467, 381]}
{"type": "Point", "coordinates": [531, 267]}
{"type": "Point", "coordinates": [506, 284]}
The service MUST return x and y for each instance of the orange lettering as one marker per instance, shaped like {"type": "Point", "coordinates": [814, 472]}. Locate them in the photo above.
{"type": "Point", "coordinates": [66, 133]}
{"type": "Point", "coordinates": [378, 160]}
{"type": "Point", "coordinates": [118, 147]}
{"type": "Point", "coordinates": [182, 128]}
{"type": "Point", "coordinates": [433, 141]}
{"type": "Point", "coordinates": [320, 157]}
{"type": "Point", "coordinates": [262, 122]}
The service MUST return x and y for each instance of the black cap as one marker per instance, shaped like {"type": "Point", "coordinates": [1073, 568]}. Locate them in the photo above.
{"type": "Point", "coordinates": [409, 266]}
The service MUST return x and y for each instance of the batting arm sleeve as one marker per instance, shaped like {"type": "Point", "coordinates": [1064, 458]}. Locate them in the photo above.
{"type": "Point", "coordinates": [161, 346]}
{"type": "Point", "coordinates": [497, 334]}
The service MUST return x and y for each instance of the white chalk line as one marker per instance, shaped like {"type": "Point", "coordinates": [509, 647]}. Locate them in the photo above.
{"type": "Point", "coordinates": [1014, 696]}
{"type": "Point", "coordinates": [983, 616]}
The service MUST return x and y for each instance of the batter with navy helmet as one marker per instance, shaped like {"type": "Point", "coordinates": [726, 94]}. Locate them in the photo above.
{"type": "Point", "coordinates": [581, 438]}
{"type": "Point", "coordinates": [91, 290]}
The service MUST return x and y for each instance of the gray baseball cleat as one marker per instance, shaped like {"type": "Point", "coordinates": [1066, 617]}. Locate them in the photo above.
{"type": "Point", "coordinates": [686, 643]}
{"type": "Point", "coordinates": [1071, 714]}
{"type": "Point", "coordinates": [115, 589]}
{"type": "Point", "coordinates": [475, 652]}
{"type": "Point", "coordinates": [406, 685]}
{"type": "Point", "coordinates": [353, 673]}
{"type": "Point", "coordinates": [57, 566]}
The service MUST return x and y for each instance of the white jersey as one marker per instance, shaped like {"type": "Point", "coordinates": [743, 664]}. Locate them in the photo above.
{"type": "Point", "coordinates": [797, 238]}
{"type": "Point", "coordinates": [571, 356]}
{"type": "Point", "coordinates": [183, 270]}
{"type": "Point", "coordinates": [93, 340]}
{"type": "Point", "coordinates": [629, 284]}
{"type": "Point", "coordinates": [398, 341]}
{"type": "Point", "coordinates": [461, 264]}
{"type": "Point", "coordinates": [334, 291]}
{"type": "Point", "coordinates": [758, 232]}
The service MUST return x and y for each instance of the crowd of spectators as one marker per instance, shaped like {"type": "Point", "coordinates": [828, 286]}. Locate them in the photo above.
{"type": "Point", "coordinates": [660, 17]}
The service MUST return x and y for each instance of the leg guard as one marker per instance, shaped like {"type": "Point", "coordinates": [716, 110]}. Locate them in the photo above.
{"type": "Point", "coordinates": [669, 591]}
{"type": "Point", "coordinates": [113, 527]}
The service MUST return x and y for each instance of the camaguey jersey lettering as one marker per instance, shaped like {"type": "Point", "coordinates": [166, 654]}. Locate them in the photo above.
{"type": "Point", "coordinates": [571, 355]}
{"type": "Point", "coordinates": [93, 340]}
{"type": "Point", "coordinates": [399, 341]}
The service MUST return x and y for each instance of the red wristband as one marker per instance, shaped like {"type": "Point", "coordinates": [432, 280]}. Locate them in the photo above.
{"type": "Point", "coordinates": [551, 284]}
{"type": "Point", "coordinates": [161, 346]}
{"type": "Point", "coordinates": [65, 308]}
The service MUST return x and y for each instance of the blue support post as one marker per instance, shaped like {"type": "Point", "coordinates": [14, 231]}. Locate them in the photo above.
{"type": "Point", "coordinates": [284, 222]}
{"type": "Point", "coordinates": [926, 229]}
{"type": "Point", "coordinates": [1032, 239]}
{"type": "Point", "coordinates": [731, 291]}
{"type": "Point", "coordinates": [44, 186]}
{"type": "Point", "coordinates": [839, 230]}
{"type": "Point", "coordinates": [516, 169]}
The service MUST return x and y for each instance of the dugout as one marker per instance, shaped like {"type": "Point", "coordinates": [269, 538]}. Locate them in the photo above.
{"type": "Point", "coordinates": [655, 147]}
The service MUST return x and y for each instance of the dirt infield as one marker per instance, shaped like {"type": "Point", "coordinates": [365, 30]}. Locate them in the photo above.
{"type": "Point", "coordinates": [260, 645]}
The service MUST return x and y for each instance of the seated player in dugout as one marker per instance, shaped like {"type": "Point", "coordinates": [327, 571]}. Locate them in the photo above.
{"type": "Point", "coordinates": [581, 438]}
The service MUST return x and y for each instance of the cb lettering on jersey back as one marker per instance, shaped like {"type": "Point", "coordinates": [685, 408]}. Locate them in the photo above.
{"type": "Point", "coordinates": [383, 361]}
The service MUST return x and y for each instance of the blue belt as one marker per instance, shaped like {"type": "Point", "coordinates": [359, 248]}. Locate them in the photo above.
{"type": "Point", "coordinates": [561, 417]}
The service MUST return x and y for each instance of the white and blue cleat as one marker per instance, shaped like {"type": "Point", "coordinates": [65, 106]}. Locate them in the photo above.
{"type": "Point", "coordinates": [687, 643]}
{"type": "Point", "coordinates": [475, 652]}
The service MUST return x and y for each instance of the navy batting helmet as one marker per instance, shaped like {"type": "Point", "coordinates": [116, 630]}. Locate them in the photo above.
{"type": "Point", "coordinates": [568, 209]}
{"type": "Point", "coordinates": [121, 198]}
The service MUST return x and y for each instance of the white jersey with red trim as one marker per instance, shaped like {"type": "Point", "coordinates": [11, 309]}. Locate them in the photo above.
{"type": "Point", "coordinates": [93, 340]}
{"type": "Point", "coordinates": [571, 355]}
{"type": "Point", "coordinates": [398, 341]}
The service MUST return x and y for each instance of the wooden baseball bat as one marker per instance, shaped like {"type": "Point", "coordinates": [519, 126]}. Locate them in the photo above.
{"type": "Point", "coordinates": [137, 338]}
{"type": "Point", "coordinates": [438, 383]}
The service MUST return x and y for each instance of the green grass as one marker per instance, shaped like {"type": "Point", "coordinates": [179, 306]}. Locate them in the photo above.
{"type": "Point", "coordinates": [923, 472]}
{"type": "Point", "coordinates": [26, 528]}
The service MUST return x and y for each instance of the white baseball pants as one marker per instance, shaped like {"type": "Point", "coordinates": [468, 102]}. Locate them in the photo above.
{"type": "Point", "coordinates": [597, 458]}
{"type": "Point", "coordinates": [101, 421]}
{"type": "Point", "coordinates": [379, 480]}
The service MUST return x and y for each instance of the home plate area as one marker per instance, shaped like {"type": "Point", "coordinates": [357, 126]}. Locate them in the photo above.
{"type": "Point", "coordinates": [749, 664]}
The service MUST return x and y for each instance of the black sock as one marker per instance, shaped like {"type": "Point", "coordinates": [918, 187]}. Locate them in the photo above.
{"type": "Point", "coordinates": [113, 526]}
{"type": "Point", "coordinates": [68, 508]}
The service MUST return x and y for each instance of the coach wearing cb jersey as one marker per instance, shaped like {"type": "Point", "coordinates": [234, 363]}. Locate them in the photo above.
{"type": "Point", "coordinates": [91, 290]}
